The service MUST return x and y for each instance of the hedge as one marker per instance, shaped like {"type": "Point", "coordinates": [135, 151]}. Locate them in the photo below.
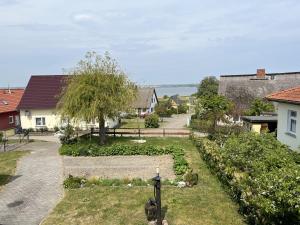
{"type": "Point", "coordinates": [261, 173]}
{"type": "Point", "coordinates": [180, 163]}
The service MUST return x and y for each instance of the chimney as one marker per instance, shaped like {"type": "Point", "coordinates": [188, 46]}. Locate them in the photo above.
{"type": "Point", "coordinates": [261, 73]}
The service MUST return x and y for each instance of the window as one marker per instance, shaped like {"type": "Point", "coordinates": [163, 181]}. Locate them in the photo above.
{"type": "Point", "coordinates": [292, 121]}
{"type": "Point", "coordinates": [11, 119]}
{"type": "Point", "coordinates": [40, 121]}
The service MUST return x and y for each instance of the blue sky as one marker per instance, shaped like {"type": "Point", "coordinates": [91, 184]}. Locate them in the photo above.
{"type": "Point", "coordinates": [155, 41]}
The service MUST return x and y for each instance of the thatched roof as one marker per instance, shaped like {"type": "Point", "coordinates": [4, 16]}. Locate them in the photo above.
{"type": "Point", "coordinates": [144, 97]}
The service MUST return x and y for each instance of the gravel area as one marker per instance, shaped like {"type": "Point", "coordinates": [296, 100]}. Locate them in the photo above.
{"type": "Point", "coordinates": [119, 166]}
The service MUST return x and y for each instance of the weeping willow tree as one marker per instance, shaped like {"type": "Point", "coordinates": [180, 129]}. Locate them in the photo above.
{"type": "Point", "coordinates": [97, 89]}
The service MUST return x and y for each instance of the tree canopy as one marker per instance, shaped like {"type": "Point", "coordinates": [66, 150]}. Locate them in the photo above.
{"type": "Point", "coordinates": [208, 87]}
{"type": "Point", "coordinates": [258, 106]}
{"type": "Point", "coordinates": [213, 108]}
{"type": "Point", "coordinates": [97, 89]}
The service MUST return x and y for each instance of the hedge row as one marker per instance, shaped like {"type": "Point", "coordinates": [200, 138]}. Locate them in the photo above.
{"type": "Point", "coordinates": [180, 163]}
{"type": "Point", "coordinates": [80, 182]}
{"type": "Point", "coordinates": [262, 175]}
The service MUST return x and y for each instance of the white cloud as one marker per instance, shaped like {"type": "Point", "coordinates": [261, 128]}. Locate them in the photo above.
{"type": "Point", "coordinates": [83, 17]}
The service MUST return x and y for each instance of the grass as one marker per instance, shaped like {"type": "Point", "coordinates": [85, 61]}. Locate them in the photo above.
{"type": "Point", "coordinates": [8, 163]}
{"type": "Point", "coordinates": [133, 123]}
{"type": "Point", "coordinates": [207, 203]}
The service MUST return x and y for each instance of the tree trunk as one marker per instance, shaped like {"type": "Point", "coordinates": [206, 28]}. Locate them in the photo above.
{"type": "Point", "coordinates": [102, 133]}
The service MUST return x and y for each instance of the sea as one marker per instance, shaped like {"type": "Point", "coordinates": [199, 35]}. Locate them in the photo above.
{"type": "Point", "coordinates": [174, 90]}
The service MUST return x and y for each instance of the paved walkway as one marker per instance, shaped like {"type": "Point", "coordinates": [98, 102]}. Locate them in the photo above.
{"type": "Point", "coordinates": [36, 187]}
{"type": "Point", "coordinates": [120, 166]}
{"type": "Point", "coordinates": [176, 121]}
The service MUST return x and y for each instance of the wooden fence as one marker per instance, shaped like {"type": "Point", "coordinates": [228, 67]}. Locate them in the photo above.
{"type": "Point", "coordinates": [161, 132]}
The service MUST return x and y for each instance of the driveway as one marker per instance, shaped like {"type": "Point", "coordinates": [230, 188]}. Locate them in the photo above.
{"type": "Point", "coordinates": [176, 121]}
{"type": "Point", "coordinates": [36, 187]}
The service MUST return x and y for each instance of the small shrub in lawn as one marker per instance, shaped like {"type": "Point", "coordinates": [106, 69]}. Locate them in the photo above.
{"type": "Point", "coordinates": [191, 178]}
{"type": "Point", "coordinates": [152, 121]}
{"type": "Point", "coordinates": [74, 182]}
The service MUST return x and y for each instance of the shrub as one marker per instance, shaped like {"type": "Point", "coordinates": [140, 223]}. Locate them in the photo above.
{"type": "Point", "coordinates": [68, 133]}
{"type": "Point", "coordinates": [182, 109]}
{"type": "Point", "coordinates": [56, 129]}
{"type": "Point", "coordinates": [191, 178]}
{"type": "Point", "coordinates": [74, 182]}
{"type": "Point", "coordinates": [205, 126]}
{"type": "Point", "coordinates": [261, 173]}
{"type": "Point", "coordinates": [152, 121]}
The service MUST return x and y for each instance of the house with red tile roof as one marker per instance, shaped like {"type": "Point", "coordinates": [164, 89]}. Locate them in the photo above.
{"type": "Point", "coordinates": [288, 108]}
{"type": "Point", "coordinates": [9, 114]}
{"type": "Point", "coordinates": [38, 105]}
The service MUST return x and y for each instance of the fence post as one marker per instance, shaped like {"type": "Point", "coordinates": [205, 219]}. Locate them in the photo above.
{"type": "Point", "coordinates": [164, 132]}
{"type": "Point", "coordinates": [114, 132]}
{"type": "Point", "coordinates": [139, 132]}
{"type": "Point", "coordinates": [92, 131]}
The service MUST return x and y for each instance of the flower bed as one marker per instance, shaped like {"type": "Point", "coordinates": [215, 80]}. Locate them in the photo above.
{"type": "Point", "coordinates": [262, 174]}
{"type": "Point", "coordinates": [78, 149]}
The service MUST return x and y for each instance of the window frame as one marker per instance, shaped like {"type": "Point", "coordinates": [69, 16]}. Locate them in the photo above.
{"type": "Point", "coordinates": [11, 119]}
{"type": "Point", "coordinates": [43, 121]}
{"type": "Point", "coordinates": [289, 122]}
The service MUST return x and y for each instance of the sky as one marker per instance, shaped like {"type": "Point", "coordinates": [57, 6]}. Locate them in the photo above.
{"type": "Point", "coordinates": [154, 41]}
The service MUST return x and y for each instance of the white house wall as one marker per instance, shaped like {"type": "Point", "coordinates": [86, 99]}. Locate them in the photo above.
{"type": "Point", "coordinates": [52, 119]}
{"type": "Point", "coordinates": [282, 128]}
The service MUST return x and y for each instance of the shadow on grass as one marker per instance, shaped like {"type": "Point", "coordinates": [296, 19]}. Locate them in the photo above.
{"type": "Point", "coordinates": [5, 179]}
{"type": "Point", "coordinates": [164, 211]}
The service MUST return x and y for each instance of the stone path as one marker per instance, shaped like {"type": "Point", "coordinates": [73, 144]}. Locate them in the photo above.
{"type": "Point", "coordinates": [36, 187]}
{"type": "Point", "coordinates": [119, 166]}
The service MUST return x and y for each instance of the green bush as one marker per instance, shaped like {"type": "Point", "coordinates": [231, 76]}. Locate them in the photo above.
{"type": "Point", "coordinates": [261, 173]}
{"type": "Point", "coordinates": [74, 182]}
{"type": "Point", "coordinates": [68, 133]}
{"type": "Point", "coordinates": [205, 126]}
{"type": "Point", "coordinates": [56, 129]}
{"type": "Point", "coordinates": [191, 178]}
{"type": "Point", "coordinates": [152, 121]}
{"type": "Point", "coordinates": [182, 109]}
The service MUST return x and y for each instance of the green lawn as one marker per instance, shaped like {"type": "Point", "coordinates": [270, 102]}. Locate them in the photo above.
{"type": "Point", "coordinates": [8, 162]}
{"type": "Point", "coordinates": [133, 123]}
{"type": "Point", "coordinates": [207, 203]}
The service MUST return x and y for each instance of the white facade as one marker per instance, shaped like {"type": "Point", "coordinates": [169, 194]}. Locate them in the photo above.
{"type": "Point", "coordinates": [151, 107]}
{"type": "Point", "coordinates": [48, 118]}
{"type": "Point", "coordinates": [288, 129]}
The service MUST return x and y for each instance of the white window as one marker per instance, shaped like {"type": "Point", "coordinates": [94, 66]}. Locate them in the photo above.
{"type": "Point", "coordinates": [292, 121]}
{"type": "Point", "coordinates": [40, 121]}
{"type": "Point", "coordinates": [11, 119]}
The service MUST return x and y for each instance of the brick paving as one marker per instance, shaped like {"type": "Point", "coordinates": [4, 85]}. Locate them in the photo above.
{"type": "Point", "coordinates": [36, 187]}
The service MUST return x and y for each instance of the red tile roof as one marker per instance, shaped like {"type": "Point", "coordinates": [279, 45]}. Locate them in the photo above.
{"type": "Point", "coordinates": [9, 99]}
{"type": "Point", "coordinates": [291, 95]}
{"type": "Point", "coordinates": [42, 92]}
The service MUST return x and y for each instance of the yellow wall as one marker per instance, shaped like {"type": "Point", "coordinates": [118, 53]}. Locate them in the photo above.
{"type": "Point", "coordinates": [53, 119]}
{"type": "Point", "coordinates": [256, 128]}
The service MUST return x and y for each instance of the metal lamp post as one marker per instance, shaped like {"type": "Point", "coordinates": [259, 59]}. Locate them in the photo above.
{"type": "Point", "coordinates": [157, 195]}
